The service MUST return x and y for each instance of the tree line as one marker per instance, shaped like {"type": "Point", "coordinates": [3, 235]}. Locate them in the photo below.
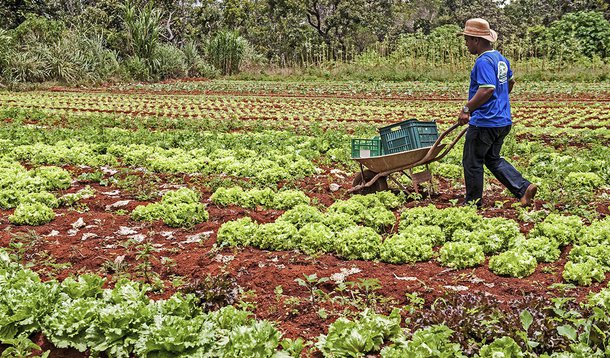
{"type": "Point", "coordinates": [86, 40]}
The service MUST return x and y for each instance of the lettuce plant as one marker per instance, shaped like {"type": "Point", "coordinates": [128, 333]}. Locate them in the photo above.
{"type": "Point", "coordinates": [316, 237]}
{"type": "Point", "coordinates": [461, 255]}
{"type": "Point", "coordinates": [32, 214]}
{"type": "Point", "coordinates": [583, 273]}
{"type": "Point", "coordinates": [358, 242]}
{"type": "Point", "coordinates": [237, 233]}
{"type": "Point", "coordinates": [564, 229]}
{"type": "Point", "coordinates": [515, 263]}
{"type": "Point", "coordinates": [301, 215]}
{"type": "Point", "coordinates": [280, 235]}
{"type": "Point", "coordinates": [543, 249]}
{"type": "Point", "coordinates": [180, 208]}
{"type": "Point", "coordinates": [405, 248]}
{"type": "Point", "coordinates": [367, 334]}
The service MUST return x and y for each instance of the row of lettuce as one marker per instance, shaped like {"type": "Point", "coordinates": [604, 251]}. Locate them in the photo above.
{"type": "Point", "coordinates": [355, 229]}
{"type": "Point", "coordinates": [350, 228]}
{"type": "Point", "coordinates": [267, 157]}
{"type": "Point", "coordinates": [120, 322]}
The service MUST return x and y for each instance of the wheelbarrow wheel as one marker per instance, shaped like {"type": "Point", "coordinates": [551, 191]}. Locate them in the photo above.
{"type": "Point", "coordinates": [380, 184]}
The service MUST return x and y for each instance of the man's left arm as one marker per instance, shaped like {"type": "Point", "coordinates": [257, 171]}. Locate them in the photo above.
{"type": "Point", "coordinates": [482, 95]}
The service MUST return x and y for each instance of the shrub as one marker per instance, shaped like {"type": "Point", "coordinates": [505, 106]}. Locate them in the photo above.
{"type": "Point", "coordinates": [171, 61]}
{"type": "Point", "coordinates": [226, 51]}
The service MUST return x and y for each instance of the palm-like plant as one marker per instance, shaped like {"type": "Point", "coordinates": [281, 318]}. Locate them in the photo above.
{"type": "Point", "coordinates": [142, 30]}
{"type": "Point", "coordinates": [226, 51]}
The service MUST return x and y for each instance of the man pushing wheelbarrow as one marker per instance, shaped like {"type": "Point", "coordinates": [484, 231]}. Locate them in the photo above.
{"type": "Point", "coordinates": [488, 115]}
{"type": "Point", "coordinates": [409, 144]}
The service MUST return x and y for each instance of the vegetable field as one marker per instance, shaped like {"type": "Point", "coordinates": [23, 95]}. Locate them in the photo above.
{"type": "Point", "coordinates": [211, 218]}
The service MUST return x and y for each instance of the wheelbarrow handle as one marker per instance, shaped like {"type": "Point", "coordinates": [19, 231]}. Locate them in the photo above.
{"type": "Point", "coordinates": [428, 158]}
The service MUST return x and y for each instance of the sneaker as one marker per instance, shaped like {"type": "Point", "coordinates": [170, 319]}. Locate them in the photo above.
{"type": "Point", "coordinates": [530, 192]}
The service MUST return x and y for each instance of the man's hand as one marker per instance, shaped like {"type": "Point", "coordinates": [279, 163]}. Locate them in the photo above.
{"type": "Point", "coordinates": [463, 118]}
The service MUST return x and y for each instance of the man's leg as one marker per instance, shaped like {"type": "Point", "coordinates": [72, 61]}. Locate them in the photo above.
{"type": "Point", "coordinates": [472, 160]}
{"type": "Point", "coordinates": [503, 170]}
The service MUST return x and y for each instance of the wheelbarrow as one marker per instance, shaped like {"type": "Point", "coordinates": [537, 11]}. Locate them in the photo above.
{"type": "Point", "coordinates": [379, 168]}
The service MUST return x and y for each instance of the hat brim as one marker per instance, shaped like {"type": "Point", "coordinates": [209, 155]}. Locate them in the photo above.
{"type": "Point", "coordinates": [492, 37]}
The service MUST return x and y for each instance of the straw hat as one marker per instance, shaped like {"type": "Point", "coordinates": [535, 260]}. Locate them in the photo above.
{"type": "Point", "coordinates": [479, 28]}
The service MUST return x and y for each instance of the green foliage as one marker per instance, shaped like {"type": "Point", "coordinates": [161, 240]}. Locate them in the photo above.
{"type": "Point", "coordinates": [406, 248]}
{"type": "Point", "coordinates": [280, 235]}
{"type": "Point", "coordinates": [432, 341]}
{"type": "Point", "coordinates": [449, 220]}
{"type": "Point", "coordinates": [543, 249]}
{"type": "Point", "coordinates": [226, 51]}
{"type": "Point", "coordinates": [598, 233]}
{"type": "Point", "coordinates": [237, 233]}
{"type": "Point", "coordinates": [588, 180]}
{"type": "Point", "coordinates": [563, 229]}
{"type": "Point", "coordinates": [267, 198]}
{"type": "Point", "coordinates": [347, 338]}
{"type": "Point", "coordinates": [501, 347]}
{"type": "Point", "coordinates": [32, 214]}
{"type": "Point", "coordinates": [358, 243]}
{"type": "Point", "coordinates": [580, 33]}
{"type": "Point", "coordinates": [583, 273]}
{"type": "Point", "coordinates": [461, 255]}
{"type": "Point", "coordinates": [598, 253]}
{"type": "Point", "coordinates": [180, 208]}
{"type": "Point", "coordinates": [170, 62]}
{"type": "Point", "coordinates": [316, 237]}
{"type": "Point", "coordinates": [514, 263]}
{"type": "Point", "coordinates": [494, 235]}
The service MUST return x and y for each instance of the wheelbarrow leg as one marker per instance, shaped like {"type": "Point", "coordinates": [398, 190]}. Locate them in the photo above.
{"type": "Point", "coordinates": [402, 187]}
{"type": "Point", "coordinates": [420, 177]}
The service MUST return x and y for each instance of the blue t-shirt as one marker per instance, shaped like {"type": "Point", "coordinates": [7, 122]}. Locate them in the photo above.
{"type": "Point", "coordinates": [491, 69]}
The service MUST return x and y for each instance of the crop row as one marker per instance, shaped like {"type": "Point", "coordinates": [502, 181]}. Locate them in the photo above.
{"type": "Point", "coordinates": [530, 114]}
{"type": "Point", "coordinates": [369, 89]}
{"type": "Point", "coordinates": [121, 322]}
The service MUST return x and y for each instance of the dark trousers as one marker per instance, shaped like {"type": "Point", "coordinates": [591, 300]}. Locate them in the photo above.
{"type": "Point", "coordinates": [483, 146]}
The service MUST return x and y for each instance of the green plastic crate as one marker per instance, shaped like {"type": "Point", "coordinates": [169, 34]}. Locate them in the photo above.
{"type": "Point", "coordinates": [366, 148]}
{"type": "Point", "coordinates": [408, 135]}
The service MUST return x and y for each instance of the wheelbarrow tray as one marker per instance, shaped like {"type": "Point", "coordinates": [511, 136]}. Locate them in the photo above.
{"type": "Point", "coordinates": [391, 162]}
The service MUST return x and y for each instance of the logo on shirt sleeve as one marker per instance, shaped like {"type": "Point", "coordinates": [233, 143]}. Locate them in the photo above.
{"type": "Point", "coordinates": [502, 72]}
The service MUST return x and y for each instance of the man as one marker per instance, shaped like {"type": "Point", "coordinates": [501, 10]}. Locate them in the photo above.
{"type": "Point", "coordinates": [488, 115]}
